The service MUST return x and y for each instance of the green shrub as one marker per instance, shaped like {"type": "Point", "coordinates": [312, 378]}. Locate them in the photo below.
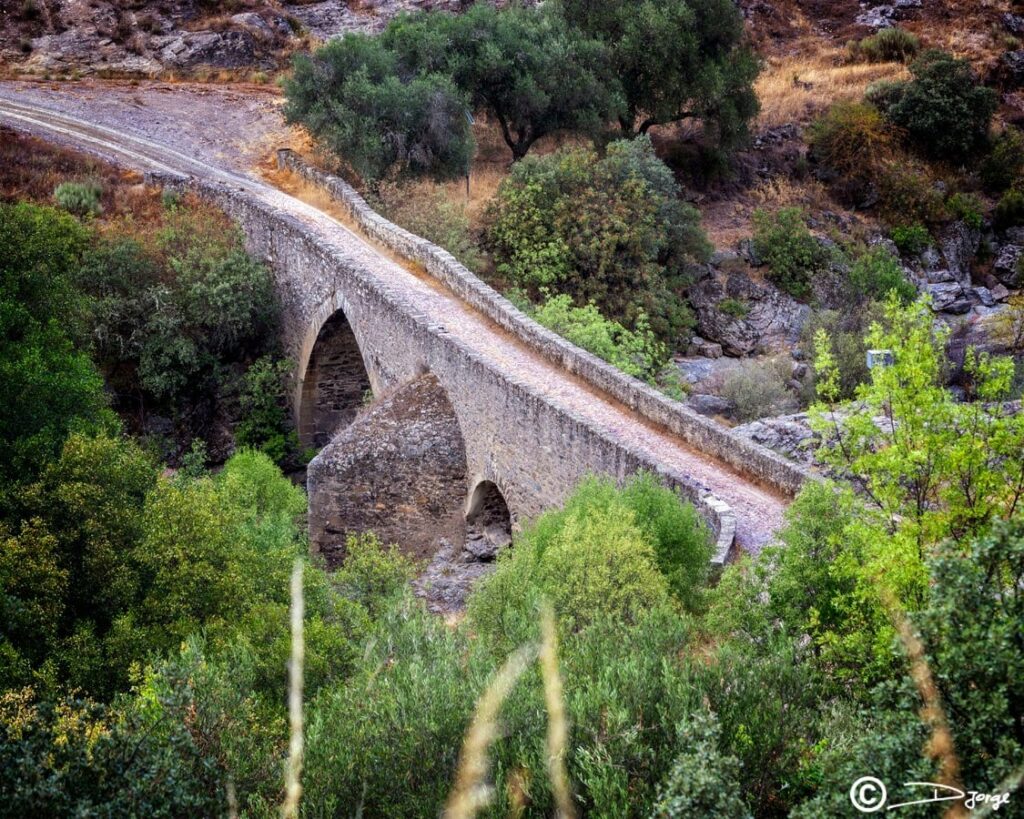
{"type": "Point", "coordinates": [171, 312]}
{"type": "Point", "coordinates": [703, 783]}
{"type": "Point", "coordinates": [907, 196]}
{"type": "Point", "coordinates": [943, 109]}
{"type": "Point", "coordinates": [1009, 211]}
{"type": "Point", "coordinates": [605, 554]}
{"type": "Point", "coordinates": [1004, 166]}
{"type": "Point", "coordinates": [875, 272]}
{"type": "Point", "coordinates": [911, 239]}
{"type": "Point", "coordinates": [846, 330]}
{"type": "Point", "coordinates": [759, 389]}
{"type": "Point", "coordinates": [263, 402]}
{"type": "Point", "coordinates": [852, 142]}
{"type": "Point", "coordinates": [894, 45]}
{"type": "Point", "coordinates": [792, 254]}
{"type": "Point", "coordinates": [351, 97]}
{"type": "Point", "coordinates": [48, 388]}
{"type": "Point", "coordinates": [79, 198]}
{"type": "Point", "coordinates": [966, 207]}
{"type": "Point", "coordinates": [609, 230]}
{"type": "Point", "coordinates": [635, 352]}
{"type": "Point", "coordinates": [734, 307]}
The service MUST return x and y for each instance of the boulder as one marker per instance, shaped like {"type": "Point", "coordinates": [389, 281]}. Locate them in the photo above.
{"type": "Point", "coordinates": [710, 405]}
{"type": "Point", "coordinates": [1012, 68]}
{"type": "Point", "coordinates": [1006, 265]}
{"type": "Point", "coordinates": [1013, 23]}
{"type": "Point", "coordinates": [984, 295]}
{"type": "Point", "coordinates": [773, 321]}
{"type": "Point", "coordinates": [948, 297]}
{"type": "Point", "coordinates": [227, 49]}
{"type": "Point", "coordinates": [788, 435]}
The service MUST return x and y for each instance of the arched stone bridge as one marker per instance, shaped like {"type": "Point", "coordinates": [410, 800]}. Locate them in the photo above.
{"type": "Point", "coordinates": [480, 413]}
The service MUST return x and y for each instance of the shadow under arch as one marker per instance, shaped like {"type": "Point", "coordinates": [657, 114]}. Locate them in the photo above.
{"type": "Point", "coordinates": [334, 383]}
{"type": "Point", "coordinates": [488, 517]}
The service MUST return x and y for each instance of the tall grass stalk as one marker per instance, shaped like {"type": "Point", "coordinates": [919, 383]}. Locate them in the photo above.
{"type": "Point", "coordinates": [471, 791]}
{"type": "Point", "coordinates": [558, 730]}
{"type": "Point", "coordinates": [940, 745]}
{"type": "Point", "coordinates": [293, 783]}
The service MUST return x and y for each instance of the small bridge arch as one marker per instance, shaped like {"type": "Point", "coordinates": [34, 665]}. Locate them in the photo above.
{"type": "Point", "coordinates": [333, 377]}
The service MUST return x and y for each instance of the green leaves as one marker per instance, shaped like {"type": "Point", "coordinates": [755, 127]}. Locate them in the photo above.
{"type": "Point", "coordinates": [944, 109]}
{"type": "Point", "coordinates": [609, 230]}
{"type": "Point", "coordinates": [793, 255]}
{"type": "Point", "coordinates": [355, 97]}
{"type": "Point", "coordinates": [675, 60]}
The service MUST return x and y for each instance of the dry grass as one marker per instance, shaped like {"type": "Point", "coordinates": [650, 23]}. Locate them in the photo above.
{"type": "Point", "coordinates": [797, 88]}
{"type": "Point", "coordinates": [471, 791]}
{"type": "Point", "coordinates": [293, 783]}
{"type": "Point", "coordinates": [784, 192]}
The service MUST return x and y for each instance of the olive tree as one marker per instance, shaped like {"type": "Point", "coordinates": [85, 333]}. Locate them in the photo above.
{"type": "Point", "coordinates": [675, 60]}
{"type": "Point", "coordinates": [356, 98]}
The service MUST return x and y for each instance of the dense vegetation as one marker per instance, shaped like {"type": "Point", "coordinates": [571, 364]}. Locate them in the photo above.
{"type": "Point", "coordinates": [400, 102]}
{"type": "Point", "coordinates": [145, 631]}
{"type": "Point", "coordinates": [605, 230]}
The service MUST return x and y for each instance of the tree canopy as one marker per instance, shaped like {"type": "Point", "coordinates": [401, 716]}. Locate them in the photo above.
{"type": "Point", "coordinates": [527, 68]}
{"type": "Point", "coordinates": [358, 99]}
{"type": "Point", "coordinates": [675, 60]}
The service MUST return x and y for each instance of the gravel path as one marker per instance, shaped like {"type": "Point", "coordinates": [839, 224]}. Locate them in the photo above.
{"type": "Point", "coordinates": [223, 133]}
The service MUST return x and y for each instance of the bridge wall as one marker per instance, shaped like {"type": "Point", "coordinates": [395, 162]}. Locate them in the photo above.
{"type": "Point", "coordinates": [533, 451]}
{"type": "Point", "coordinates": [751, 459]}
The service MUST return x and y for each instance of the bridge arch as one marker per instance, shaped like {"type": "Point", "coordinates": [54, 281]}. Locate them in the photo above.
{"type": "Point", "coordinates": [333, 379]}
{"type": "Point", "coordinates": [488, 517]}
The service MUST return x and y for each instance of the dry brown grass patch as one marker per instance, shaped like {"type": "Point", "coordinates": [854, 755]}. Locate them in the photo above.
{"type": "Point", "coordinates": [799, 87]}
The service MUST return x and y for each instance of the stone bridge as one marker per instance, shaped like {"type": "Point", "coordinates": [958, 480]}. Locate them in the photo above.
{"type": "Point", "coordinates": [439, 409]}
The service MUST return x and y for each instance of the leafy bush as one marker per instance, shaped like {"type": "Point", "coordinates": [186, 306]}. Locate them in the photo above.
{"type": "Point", "coordinates": [635, 352]}
{"type": "Point", "coordinates": [47, 387]}
{"type": "Point", "coordinates": [966, 207]}
{"type": "Point", "coordinates": [605, 554]}
{"type": "Point", "coordinates": [909, 197]}
{"type": "Point", "coordinates": [911, 239]}
{"type": "Point", "coordinates": [846, 330]}
{"type": "Point", "coordinates": [1009, 211]}
{"type": "Point", "coordinates": [733, 307]}
{"type": "Point", "coordinates": [1004, 166]}
{"type": "Point", "coordinates": [703, 783]}
{"type": "Point", "coordinates": [876, 272]}
{"type": "Point", "coordinates": [943, 109]}
{"type": "Point", "coordinates": [759, 389]}
{"type": "Point", "coordinates": [79, 198]}
{"type": "Point", "coordinates": [894, 45]}
{"type": "Point", "coordinates": [352, 96]}
{"type": "Point", "coordinates": [170, 312]}
{"type": "Point", "coordinates": [265, 423]}
{"type": "Point", "coordinates": [852, 142]}
{"type": "Point", "coordinates": [143, 563]}
{"type": "Point", "coordinates": [793, 255]}
{"type": "Point", "coordinates": [609, 230]}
